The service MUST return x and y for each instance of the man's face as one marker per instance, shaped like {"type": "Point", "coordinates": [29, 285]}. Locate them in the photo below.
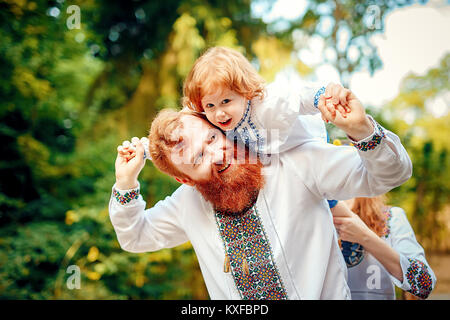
{"type": "Point", "coordinates": [203, 149]}
{"type": "Point", "coordinates": [226, 175]}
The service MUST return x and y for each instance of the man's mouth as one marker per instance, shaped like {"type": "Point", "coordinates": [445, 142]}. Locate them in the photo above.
{"type": "Point", "coordinates": [225, 123]}
{"type": "Point", "coordinates": [224, 168]}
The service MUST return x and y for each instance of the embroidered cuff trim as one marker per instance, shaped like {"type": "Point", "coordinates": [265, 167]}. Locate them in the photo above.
{"type": "Point", "coordinates": [317, 96]}
{"type": "Point", "coordinates": [419, 279]}
{"type": "Point", "coordinates": [124, 197]}
{"type": "Point", "coordinates": [376, 139]}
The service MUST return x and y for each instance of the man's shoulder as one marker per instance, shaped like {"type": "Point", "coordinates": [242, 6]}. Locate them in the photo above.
{"type": "Point", "coordinates": [296, 159]}
{"type": "Point", "coordinates": [308, 148]}
{"type": "Point", "coordinates": [312, 152]}
{"type": "Point", "coordinates": [187, 193]}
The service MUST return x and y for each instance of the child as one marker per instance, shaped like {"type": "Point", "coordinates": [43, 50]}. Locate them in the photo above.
{"type": "Point", "coordinates": [228, 90]}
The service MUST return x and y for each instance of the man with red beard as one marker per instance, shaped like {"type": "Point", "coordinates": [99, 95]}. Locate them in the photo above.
{"type": "Point", "coordinates": [259, 232]}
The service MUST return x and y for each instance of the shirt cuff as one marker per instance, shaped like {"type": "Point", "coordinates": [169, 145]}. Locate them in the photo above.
{"type": "Point", "coordinates": [372, 141]}
{"type": "Point", "coordinates": [319, 92]}
{"type": "Point", "coordinates": [126, 197]}
{"type": "Point", "coordinates": [416, 277]}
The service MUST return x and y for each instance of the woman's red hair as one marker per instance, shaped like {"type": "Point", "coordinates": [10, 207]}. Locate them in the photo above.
{"type": "Point", "coordinates": [372, 212]}
{"type": "Point", "coordinates": [219, 68]}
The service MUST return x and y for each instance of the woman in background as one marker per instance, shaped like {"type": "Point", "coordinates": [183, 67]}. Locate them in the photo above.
{"type": "Point", "coordinates": [381, 250]}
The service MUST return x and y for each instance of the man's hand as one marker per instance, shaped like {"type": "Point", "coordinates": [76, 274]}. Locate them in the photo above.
{"type": "Point", "coordinates": [355, 123]}
{"type": "Point", "coordinates": [129, 163]}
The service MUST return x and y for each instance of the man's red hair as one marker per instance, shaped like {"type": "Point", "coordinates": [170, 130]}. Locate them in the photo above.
{"type": "Point", "coordinates": [164, 135]}
{"type": "Point", "coordinates": [219, 68]}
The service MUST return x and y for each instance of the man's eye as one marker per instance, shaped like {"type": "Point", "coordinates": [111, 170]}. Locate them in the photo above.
{"type": "Point", "coordinates": [225, 101]}
{"type": "Point", "coordinates": [198, 158]}
{"type": "Point", "coordinates": [213, 137]}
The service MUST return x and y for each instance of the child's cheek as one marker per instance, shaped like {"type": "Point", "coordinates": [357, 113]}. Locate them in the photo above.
{"type": "Point", "coordinates": [210, 118]}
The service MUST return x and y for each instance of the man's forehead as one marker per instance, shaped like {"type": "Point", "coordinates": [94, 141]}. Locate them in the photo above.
{"type": "Point", "coordinates": [191, 136]}
{"type": "Point", "coordinates": [194, 125]}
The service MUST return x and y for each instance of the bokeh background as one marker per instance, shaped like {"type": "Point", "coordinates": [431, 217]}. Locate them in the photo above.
{"type": "Point", "coordinates": [78, 77]}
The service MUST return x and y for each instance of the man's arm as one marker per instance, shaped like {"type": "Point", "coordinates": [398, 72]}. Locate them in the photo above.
{"type": "Point", "coordinates": [137, 229]}
{"type": "Point", "coordinates": [375, 164]}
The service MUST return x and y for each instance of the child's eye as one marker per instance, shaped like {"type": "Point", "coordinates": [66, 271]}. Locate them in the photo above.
{"type": "Point", "coordinates": [209, 105]}
{"type": "Point", "coordinates": [225, 101]}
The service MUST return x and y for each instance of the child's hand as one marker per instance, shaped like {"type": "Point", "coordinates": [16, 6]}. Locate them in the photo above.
{"type": "Point", "coordinates": [128, 150]}
{"type": "Point", "coordinates": [338, 95]}
{"type": "Point", "coordinates": [356, 124]}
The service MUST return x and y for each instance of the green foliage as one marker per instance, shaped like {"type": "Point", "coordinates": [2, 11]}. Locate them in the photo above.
{"type": "Point", "coordinates": [68, 97]}
{"type": "Point", "coordinates": [413, 116]}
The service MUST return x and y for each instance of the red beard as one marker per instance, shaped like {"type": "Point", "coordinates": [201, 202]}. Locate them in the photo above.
{"type": "Point", "coordinates": [234, 191]}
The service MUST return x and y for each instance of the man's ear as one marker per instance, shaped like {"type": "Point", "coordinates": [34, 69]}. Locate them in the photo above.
{"type": "Point", "coordinates": [187, 181]}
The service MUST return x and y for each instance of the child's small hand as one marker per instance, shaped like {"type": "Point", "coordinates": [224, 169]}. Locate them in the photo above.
{"type": "Point", "coordinates": [356, 124]}
{"type": "Point", "coordinates": [129, 162]}
{"type": "Point", "coordinates": [336, 98]}
{"type": "Point", "coordinates": [126, 151]}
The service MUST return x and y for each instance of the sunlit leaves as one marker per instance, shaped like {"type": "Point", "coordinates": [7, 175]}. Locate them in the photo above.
{"type": "Point", "coordinates": [273, 55]}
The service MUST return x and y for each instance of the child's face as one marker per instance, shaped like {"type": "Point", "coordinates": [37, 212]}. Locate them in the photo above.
{"type": "Point", "coordinates": [224, 108]}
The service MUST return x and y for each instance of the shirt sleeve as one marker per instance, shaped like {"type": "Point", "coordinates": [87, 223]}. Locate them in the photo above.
{"type": "Point", "coordinates": [279, 115]}
{"type": "Point", "coordinates": [309, 97]}
{"type": "Point", "coordinates": [418, 277]}
{"type": "Point", "coordinates": [140, 230]}
{"type": "Point", "coordinates": [371, 167]}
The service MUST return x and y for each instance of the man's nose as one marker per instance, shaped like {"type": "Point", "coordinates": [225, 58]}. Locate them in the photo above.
{"type": "Point", "coordinates": [216, 152]}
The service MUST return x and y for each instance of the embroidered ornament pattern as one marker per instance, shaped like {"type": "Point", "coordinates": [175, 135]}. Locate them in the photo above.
{"type": "Point", "coordinates": [375, 141]}
{"type": "Point", "coordinates": [246, 244]}
{"type": "Point", "coordinates": [419, 279]}
{"type": "Point", "coordinates": [317, 96]}
{"type": "Point", "coordinates": [127, 197]}
{"type": "Point", "coordinates": [387, 226]}
{"type": "Point", "coordinates": [247, 132]}
{"type": "Point", "coordinates": [353, 253]}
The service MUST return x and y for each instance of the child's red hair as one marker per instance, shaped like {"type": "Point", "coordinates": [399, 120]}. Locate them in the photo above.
{"type": "Point", "coordinates": [220, 68]}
